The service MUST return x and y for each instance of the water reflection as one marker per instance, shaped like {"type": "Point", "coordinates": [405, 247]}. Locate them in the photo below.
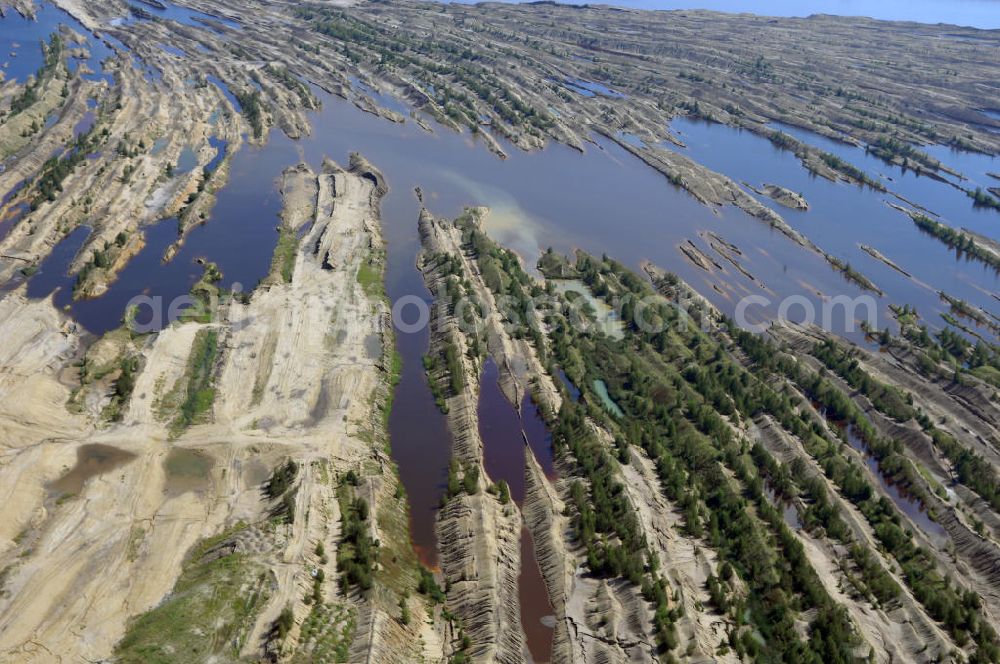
{"type": "Point", "coordinates": [21, 43]}
{"type": "Point", "coordinates": [909, 504]}
{"type": "Point", "coordinates": [789, 512]}
{"type": "Point", "coordinates": [182, 15]}
{"type": "Point", "coordinates": [54, 272]}
{"type": "Point", "coordinates": [603, 201]}
{"type": "Point", "coordinates": [504, 439]}
{"type": "Point", "coordinates": [842, 217]}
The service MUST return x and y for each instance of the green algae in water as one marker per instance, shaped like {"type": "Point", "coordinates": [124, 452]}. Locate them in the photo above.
{"type": "Point", "coordinates": [602, 391]}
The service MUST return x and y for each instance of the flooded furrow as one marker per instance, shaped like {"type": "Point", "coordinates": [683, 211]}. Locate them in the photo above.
{"type": "Point", "coordinates": [239, 237]}
{"type": "Point", "coordinates": [504, 438]}
{"type": "Point", "coordinates": [907, 503]}
{"type": "Point", "coordinates": [604, 200]}
{"type": "Point", "coordinates": [789, 512]}
{"type": "Point", "coordinates": [453, 171]}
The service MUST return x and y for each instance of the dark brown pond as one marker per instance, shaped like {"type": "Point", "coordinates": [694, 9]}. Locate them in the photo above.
{"type": "Point", "coordinates": [187, 470]}
{"type": "Point", "coordinates": [91, 460]}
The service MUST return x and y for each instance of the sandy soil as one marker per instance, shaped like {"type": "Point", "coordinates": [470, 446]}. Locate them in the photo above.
{"type": "Point", "coordinates": [75, 577]}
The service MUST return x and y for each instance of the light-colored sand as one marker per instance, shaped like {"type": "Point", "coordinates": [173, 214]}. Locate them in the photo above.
{"type": "Point", "coordinates": [80, 567]}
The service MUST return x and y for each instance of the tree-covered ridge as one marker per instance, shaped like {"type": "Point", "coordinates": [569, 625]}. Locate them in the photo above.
{"type": "Point", "coordinates": [684, 396]}
{"type": "Point", "coordinates": [765, 581]}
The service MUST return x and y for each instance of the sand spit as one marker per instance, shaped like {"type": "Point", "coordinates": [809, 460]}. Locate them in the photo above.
{"type": "Point", "coordinates": [879, 256]}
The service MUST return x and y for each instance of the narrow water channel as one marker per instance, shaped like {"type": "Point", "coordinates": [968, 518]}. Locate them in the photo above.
{"type": "Point", "coordinates": [789, 512]}
{"type": "Point", "coordinates": [504, 437]}
{"type": "Point", "coordinates": [909, 504]}
{"type": "Point", "coordinates": [645, 219]}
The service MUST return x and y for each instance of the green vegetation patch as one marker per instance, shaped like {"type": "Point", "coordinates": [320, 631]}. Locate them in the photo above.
{"type": "Point", "coordinates": [282, 485]}
{"type": "Point", "coordinates": [252, 109]}
{"type": "Point", "coordinates": [358, 552]}
{"type": "Point", "coordinates": [55, 170]}
{"type": "Point", "coordinates": [128, 367]}
{"type": "Point", "coordinates": [982, 199]}
{"type": "Point", "coordinates": [283, 261]}
{"type": "Point", "coordinates": [326, 634]}
{"type": "Point", "coordinates": [956, 240]}
{"type": "Point", "coordinates": [52, 55]}
{"type": "Point", "coordinates": [199, 380]}
{"type": "Point", "coordinates": [207, 616]}
{"type": "Point", "coordinates": [370, 278]}
{"type": "Point", "coordinates": [850, 170]}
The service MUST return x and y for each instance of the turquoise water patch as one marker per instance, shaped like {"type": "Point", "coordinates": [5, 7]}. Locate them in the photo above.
{"type": "Point", "coordinates": [602, 391]}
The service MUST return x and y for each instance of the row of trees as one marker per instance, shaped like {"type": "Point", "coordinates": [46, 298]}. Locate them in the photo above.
{"type": "Point", "coordinates": [970, 468]}
{"type": "Point", "coordinates": [717, 381]}
{"type": "Point", "coordinates": [461, 75]}
{"type": "Point", "coordinates": [981, 198]}
{"type": "Point", "coordinates": [958, 610]}
{"type": "Point", "coordinates": [956, 240]}
{"type": "Point", "coordinates": [51, 54]}
{"type": "Point", "coordinates": [56, 169]}
{"type": "Point", "coordinates": [357, 554]}
{"type": "Point", "coordinates": [675, 413]}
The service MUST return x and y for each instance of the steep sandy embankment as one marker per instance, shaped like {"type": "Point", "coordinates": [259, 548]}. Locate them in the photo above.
{"type": "Point", "coordinates": [543, 514]}
{"type": "Point", "coordinates": [478, 537]}
{"type": "Point", "coordinates": [309, 361]}
{"type": "Point", "coordinates": [521, 371]}
{"type": "Point", "coordinates": [686, 564]}
{"type": "Point", "coordinates": [101, 515]}
{"type": "Point", "coordinates": [601, 621]}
